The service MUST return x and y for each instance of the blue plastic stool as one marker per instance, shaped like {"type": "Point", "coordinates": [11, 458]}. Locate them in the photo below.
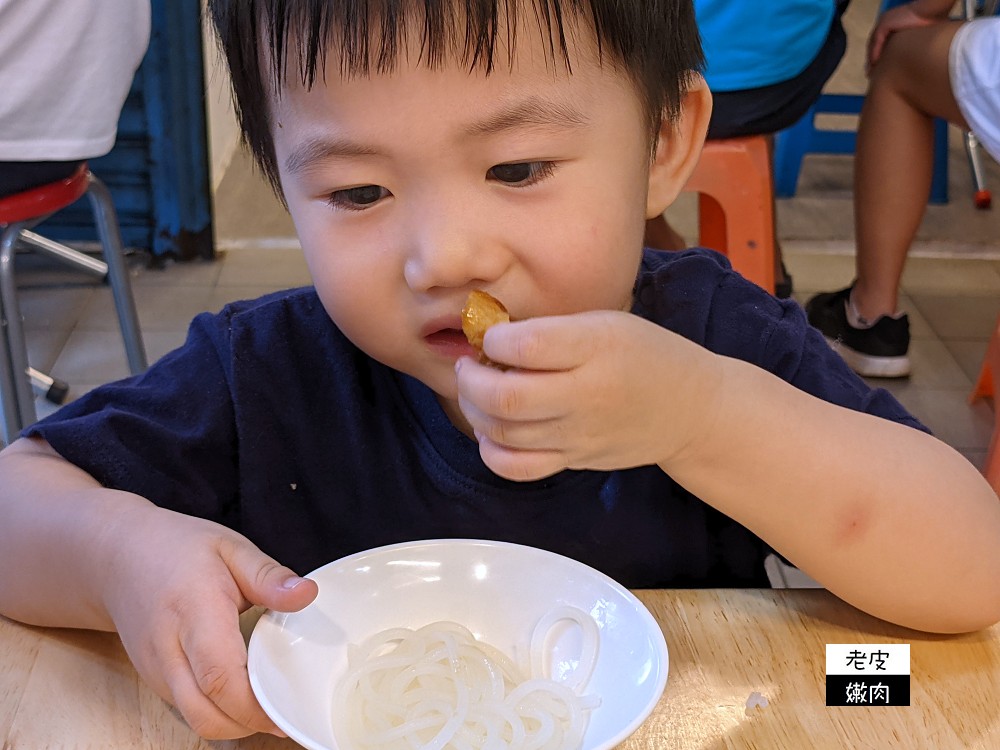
{"type": "Point", "coordinates": [792, 144]}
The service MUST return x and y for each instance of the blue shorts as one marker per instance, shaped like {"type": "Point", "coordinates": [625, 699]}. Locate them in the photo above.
{"type": "Point", "coordinates": [769, 109]}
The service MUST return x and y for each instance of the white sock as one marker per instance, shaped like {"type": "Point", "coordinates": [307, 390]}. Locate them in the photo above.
{"type": "Point", "coordinates": [854, 318]}
{"type": "Point", "coordinates": [857, 320]}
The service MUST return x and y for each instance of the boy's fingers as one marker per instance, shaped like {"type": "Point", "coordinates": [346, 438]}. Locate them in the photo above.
{"type": "Point", "coordinates": [204, 717]}
{"type": "Point", "coordinates": [522, 435]}
{"type": "Point", "coordinates": [215, 688]}
{"type": "Point", "coordinates": [515, 394]}
{"type": "Point", "coordinates": [559, 342]}
{"type": "Point", "coordinates": [519, 466]}
{"type": "Point", "coordinates": [265, 582]}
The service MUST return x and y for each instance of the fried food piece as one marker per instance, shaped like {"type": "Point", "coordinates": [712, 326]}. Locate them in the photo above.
{"type": "Point", "coordinates": [480, 312]}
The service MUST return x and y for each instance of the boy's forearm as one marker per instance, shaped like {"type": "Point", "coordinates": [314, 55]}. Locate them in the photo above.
{"type": "Point", "coordinates": [885, 516]}
{"type": "Point", "coordinates": [56, 526]}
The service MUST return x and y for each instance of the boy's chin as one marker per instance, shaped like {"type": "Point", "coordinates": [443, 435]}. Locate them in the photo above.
{"type": "Point", "coordinates": [442, 382]}
{"type": "Point", "coordinates": [451, 409]}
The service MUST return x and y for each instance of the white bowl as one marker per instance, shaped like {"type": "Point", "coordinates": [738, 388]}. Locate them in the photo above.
{"type": "Point", "coordinates": [497, 590]}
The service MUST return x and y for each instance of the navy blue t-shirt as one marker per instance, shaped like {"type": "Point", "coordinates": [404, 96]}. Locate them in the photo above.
{"type": "Point", "coordinates": [270, 421]}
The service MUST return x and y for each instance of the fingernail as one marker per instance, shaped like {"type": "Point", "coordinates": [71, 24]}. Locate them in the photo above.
{"type": "Point", "coordinates": [291, 582]}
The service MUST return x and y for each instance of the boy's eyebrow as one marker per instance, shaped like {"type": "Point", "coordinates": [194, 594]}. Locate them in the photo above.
{"type": "Point", "coordinates": [318, 149]}
{"type": "Point", "coordinates": [531, 111]}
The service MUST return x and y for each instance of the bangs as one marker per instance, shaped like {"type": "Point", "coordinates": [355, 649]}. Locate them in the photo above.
{"type": "Point", "coordinates": [268, 43]}
{"type": "Point", "coordinates": [370, 35]}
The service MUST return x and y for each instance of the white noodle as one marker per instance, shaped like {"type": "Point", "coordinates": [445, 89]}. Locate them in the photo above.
{"type": "Point", "coordinates": [579, 676]}
{"type": "Point", "coordinates": [437, 687]}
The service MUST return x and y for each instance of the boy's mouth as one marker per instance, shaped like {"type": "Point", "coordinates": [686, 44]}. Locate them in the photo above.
{"type": "Point", "coordinates": [447, 339]}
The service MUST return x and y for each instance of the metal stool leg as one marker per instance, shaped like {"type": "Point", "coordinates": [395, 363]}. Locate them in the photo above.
{"type": "Point", "coordinates": [16, 377]}
{"type": "Point", "coordinates": [982, 196]}
{"type": "Point", "coordinates": [51, 389]}
{"type": "Point", "coordinates": [121, 288]}
{"type": "Point", "coordinates": [14, 332]}
{"type": "Point", "coordinates": [80, 261]}
{"type": "Point", "coordinates": [54, 389]}
{"type": "Point", "coordinates": [11, 411]}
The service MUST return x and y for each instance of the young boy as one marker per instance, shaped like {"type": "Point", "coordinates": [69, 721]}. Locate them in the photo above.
{"type": "Point", "coordinates": [661, 418]}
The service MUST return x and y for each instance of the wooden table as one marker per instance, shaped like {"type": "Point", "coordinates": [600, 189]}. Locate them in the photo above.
{"type": "Point", "coordinates": [74, 689]}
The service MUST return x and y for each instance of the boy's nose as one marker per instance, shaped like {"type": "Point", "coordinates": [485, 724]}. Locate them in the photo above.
{"type": "Point", "coordinates": [447, 251]}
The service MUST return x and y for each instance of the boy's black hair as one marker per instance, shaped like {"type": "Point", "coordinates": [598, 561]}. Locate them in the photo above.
{"type": "Point", "coordinates": [655, 43]}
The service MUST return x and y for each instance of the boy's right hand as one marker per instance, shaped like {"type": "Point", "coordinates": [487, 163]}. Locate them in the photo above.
{"type": "Point", "coordinates": [175, 589]}
{"type": "Point", "coordinates": [599, 390]}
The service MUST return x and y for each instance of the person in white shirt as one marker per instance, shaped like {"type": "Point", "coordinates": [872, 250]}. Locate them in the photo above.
{"type": "Point", "coordinates": [66, 67]}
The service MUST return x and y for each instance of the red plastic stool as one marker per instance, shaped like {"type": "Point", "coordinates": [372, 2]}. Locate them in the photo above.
{"type": "Point", "coordinates": [736, 205]}
{"type": "Point", "coordinates": [18, 214]}
{"type": "Point", "coordinates": [987, 386]}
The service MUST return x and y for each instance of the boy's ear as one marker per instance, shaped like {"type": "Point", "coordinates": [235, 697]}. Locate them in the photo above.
{"type": "Point", "coordinates": [678, 147]}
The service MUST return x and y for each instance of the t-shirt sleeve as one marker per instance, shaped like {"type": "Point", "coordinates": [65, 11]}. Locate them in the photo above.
{"type": "Point", "coordinates": [776, 335]}
{"type": "Point", "coordinates": [697, 294]}
{"type": "Point", "coordinates": [167, 434]}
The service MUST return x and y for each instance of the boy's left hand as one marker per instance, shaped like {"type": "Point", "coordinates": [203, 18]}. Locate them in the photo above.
{"type": "Point", "coordinates": [597, 390]}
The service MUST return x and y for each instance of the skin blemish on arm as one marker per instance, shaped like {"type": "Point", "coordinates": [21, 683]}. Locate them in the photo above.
{"type": "Point", "coordinates": [853, 525]}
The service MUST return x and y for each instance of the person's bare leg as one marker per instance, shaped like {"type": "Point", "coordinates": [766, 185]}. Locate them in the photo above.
{"type": "Point", "coordinates": [894, 158]}
{"type": "Point", "coordinates": [661, 236]}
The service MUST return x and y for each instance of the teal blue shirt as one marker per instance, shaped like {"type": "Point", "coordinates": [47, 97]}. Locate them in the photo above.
{"type": "Point", "coordinates": [749, 44]}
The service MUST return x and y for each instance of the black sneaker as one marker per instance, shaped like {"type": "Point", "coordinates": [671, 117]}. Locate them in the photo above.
{"type": "Point", "coordinates": [876, 352]}
{"type": "Point", "coordinates": [783, 289]}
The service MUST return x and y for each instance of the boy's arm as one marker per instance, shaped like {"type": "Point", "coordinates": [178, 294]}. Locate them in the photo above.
{"type": "Point", "coordinates": [55, 521]}
{"type": "Point", "coordinates": [887, 517]}
{"type": "Point", "coordinates": [75, 554]}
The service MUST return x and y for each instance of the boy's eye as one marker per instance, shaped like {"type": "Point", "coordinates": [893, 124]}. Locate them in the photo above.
{"type": "Point", "coordinates": [521, 173]}
{"type": "Point", "coordinates": [357, 198]}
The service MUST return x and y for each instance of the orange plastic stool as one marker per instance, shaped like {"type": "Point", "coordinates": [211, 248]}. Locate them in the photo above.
{"type": "Point", "coordinates": [987, 386]}
{"type": "Point", "coordinates": [736, 206]}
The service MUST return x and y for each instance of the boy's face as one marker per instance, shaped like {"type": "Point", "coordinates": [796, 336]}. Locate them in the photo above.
{"type": "Point", "coordinates": [410, 189]}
